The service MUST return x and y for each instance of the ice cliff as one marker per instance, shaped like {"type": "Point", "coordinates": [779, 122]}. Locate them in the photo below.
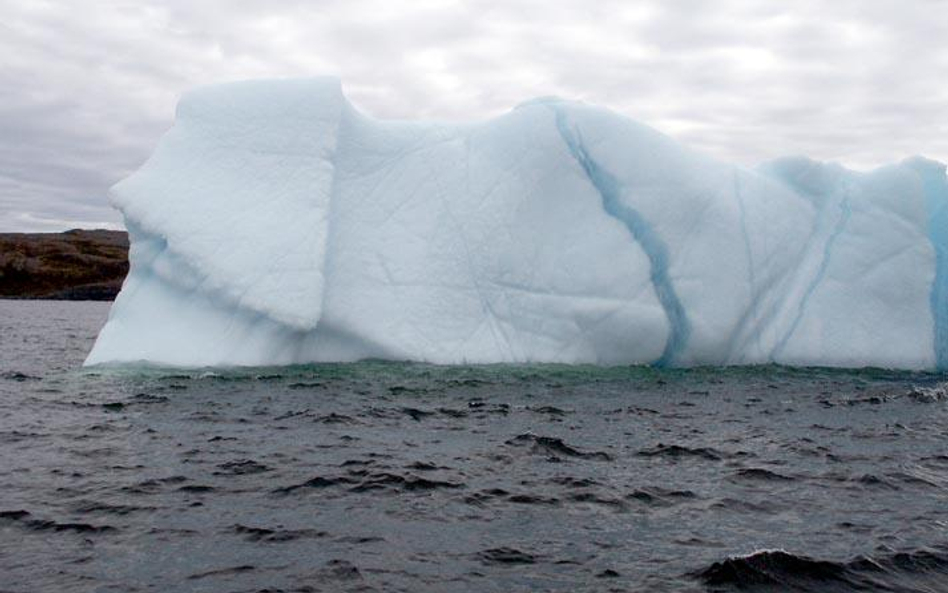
{"type": "Point", "coordinates": [276, 224]}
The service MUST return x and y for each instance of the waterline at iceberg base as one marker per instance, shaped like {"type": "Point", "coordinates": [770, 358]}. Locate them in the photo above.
{"type": "Point", "coordinates": [275, 224]}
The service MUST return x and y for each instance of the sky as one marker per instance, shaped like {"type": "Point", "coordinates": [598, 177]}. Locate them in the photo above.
{"type": "Point", "coordinates": [88, 88]}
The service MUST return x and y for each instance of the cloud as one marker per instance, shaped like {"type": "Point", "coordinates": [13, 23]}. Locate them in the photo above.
{"type": "Point", "coordinates": [87, 89]}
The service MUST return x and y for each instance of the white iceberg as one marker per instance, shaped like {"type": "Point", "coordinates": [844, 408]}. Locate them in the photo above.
{"type": "Point", "coordinates": [276, 224]}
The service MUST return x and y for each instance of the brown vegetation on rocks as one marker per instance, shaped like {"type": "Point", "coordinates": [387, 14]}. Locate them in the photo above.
{"type": "Point", "coordinates": [74, 265]}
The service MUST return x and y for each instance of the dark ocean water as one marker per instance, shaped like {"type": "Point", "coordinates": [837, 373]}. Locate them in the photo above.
{"type": "Point", "coordinates": [406, 477]}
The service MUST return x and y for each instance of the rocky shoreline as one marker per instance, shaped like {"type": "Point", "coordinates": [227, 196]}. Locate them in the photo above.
{"type": "Point", "coordinates": [75, 265]}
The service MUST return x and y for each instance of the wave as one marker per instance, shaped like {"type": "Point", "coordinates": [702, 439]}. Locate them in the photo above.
{"type": "Point", "coordinates": [919, 570]}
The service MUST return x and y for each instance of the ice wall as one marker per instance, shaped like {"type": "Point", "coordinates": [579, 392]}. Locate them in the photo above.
{"type": "Point", "coordinates": [276, 224]}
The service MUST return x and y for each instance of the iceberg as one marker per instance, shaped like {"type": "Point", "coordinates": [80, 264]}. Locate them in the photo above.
{"type": "Point", "coordinates": [276, 224]}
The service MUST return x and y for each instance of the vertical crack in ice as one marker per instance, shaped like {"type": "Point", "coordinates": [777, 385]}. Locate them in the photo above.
{"type": "Point", "coordinates": [747, 245]}
{"type": "Point", "coordinates": [935, 186]}
{"type": "Point", "coordinates": [493, 321]}
{"type": "Point", "coordinates": [838, 228]}
{"type": "Point", "coordinates": [750, 313]}
{"type": "Point", "coordinates": [643, 233]}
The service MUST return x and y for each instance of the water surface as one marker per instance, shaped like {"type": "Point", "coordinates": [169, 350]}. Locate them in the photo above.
{"type": "Point", "coordinates": [409, 477]}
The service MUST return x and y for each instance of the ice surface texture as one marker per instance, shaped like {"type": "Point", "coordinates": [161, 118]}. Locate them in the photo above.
{"type": "Point", "coordinates": [276, 224]}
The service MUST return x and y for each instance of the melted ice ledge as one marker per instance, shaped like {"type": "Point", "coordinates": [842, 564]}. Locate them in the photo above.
{"type": "Point", "coordinates": [275, 224]}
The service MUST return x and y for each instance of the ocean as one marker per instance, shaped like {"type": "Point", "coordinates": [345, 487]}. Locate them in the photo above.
{"type": "Point", "coordinates": [384, 476]}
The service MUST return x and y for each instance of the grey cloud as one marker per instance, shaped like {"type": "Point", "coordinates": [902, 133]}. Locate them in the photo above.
{"type": "Point", "coordinates": [87, 89]}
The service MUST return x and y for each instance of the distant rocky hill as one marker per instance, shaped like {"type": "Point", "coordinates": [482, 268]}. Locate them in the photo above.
{"type": "Point", "coordinates": [74, 265]}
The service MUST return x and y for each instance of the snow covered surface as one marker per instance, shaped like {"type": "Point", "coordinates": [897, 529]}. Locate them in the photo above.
{"type": "Point", "coordinates": [276, 224]}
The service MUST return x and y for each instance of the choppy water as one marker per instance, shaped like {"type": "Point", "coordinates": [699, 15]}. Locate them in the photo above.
{"type": "Point", "coordinates": [405, 477]}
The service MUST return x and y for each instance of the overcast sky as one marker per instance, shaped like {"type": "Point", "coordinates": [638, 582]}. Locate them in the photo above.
{"type": "Point", "coordinates": [87, 88]}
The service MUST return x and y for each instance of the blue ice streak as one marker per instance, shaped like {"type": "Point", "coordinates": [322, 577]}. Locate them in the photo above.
{"type": "Point", "coordinates": [844, 216]}
{"type": "Point", "coordinates": [643, 233]}
{"type": "Point", "coordinates": [935, 185]}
